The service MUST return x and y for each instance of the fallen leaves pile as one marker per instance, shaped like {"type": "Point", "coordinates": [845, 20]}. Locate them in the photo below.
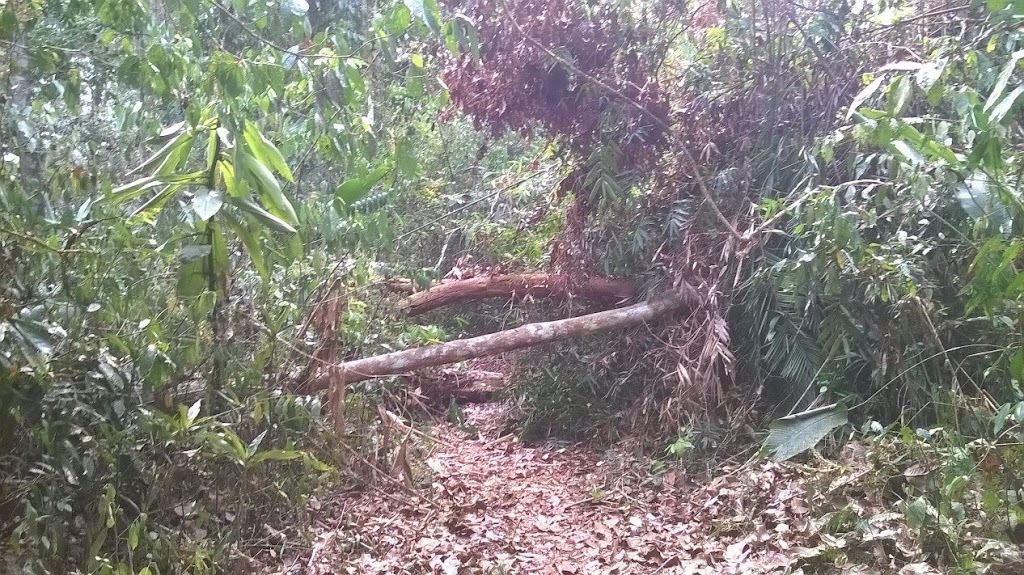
{"type": "Point", "coordinates": [487, 504]}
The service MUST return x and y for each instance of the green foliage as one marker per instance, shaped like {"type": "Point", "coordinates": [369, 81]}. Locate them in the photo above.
{"type": "Point", "coordinates": [679, 448]}
{"type": "Point", "coordinates": [165, 213]}
{"type": "Point", "coordinates": [895, 273]}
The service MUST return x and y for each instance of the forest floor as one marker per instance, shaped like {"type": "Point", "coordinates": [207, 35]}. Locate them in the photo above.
{"type": "Point", "coordinates": [488, 504]}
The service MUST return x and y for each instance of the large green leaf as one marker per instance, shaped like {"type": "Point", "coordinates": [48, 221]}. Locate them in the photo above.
{"type": "Point", "coordinates": [206, 203]}
{"type": "Point", "coordinates": [270, 190]}
{"type": "Point", "coordinates": [192, 278]}
{"type": "Point", "coordinates": [251, 240]}
{"type": "Point", "coordinates": [1004, 78]}
{"type": "Point", "coordinates": [266, 152]}
{"type": "Point", "coordinates": [864, 94]}
{"type": "Point", "coordinates": [132, 190]}
{"type": "Point", "coordinates": [156, 203]}
{"type": "Point", "coordinates": [355, 189]}
{"type": "Point", "coordinates": [794, 434]}
{"type": "Point", "coordinates": [179, 137]}
{"type": "Point", "coordinates": [405, 158]}
{"type": "Point", "coordinates": [268, 219]}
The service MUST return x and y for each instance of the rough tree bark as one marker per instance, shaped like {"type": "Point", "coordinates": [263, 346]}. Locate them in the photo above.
{"type": "Point", "coordinates": [525, 336]}
{"type": "Point", "coordinates": [515, 286]}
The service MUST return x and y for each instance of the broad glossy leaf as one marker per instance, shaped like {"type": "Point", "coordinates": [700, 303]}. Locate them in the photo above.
{"type": "Point", "coordinates": [191, 278]}
{"type": "Point", "coordinates": [193, 252]}
{"type": "Point", "coordinates": [973, 194]}
{"type": "Point", "coordinates": [207, 203]}
{"type": "Point", "coordinates": [399, 20]}
{"type": "Point", "coordinates": [908, 152]}
{"type": "Point", "coordinates": [929, 74]}
{"type": "Point", "coordinates": [792, 435]}
{"type": "Point", "coordinates": [899, 94]}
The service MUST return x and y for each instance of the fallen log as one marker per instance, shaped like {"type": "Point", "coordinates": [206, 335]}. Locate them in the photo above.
{"type": "Point", "coordinates": [510, 286]}
{"type": "Point", "coordinates": [517, 338]}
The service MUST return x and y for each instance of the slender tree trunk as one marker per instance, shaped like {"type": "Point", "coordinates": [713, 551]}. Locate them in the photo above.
{"type": "Point", "coordinates": [517, 338]}
{"type": "Point", "coordinates": [510, 286]}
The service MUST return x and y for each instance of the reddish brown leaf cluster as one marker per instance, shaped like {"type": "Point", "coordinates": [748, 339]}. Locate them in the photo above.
{"type": "Point", "coordinates": [551, 64]}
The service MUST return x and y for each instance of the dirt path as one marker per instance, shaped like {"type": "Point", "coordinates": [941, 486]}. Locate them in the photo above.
{"type": "Point", "coordinates": [495, 506]}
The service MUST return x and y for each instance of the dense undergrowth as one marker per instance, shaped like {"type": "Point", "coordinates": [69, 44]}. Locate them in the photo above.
{"type": "Point", "coordinates": [201, 204]}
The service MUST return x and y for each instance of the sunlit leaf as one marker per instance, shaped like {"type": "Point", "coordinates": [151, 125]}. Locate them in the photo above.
{"type": "Point", "coordinates": [155, 203]}
{"type": "Point", "coordinates": [908, 152]}
{"type": "Point", "coordinates": [193, 411]}
{"type": "Point", "coordinates": [255, 443]}
{"type": "Point", "coordinates": [130, 191]}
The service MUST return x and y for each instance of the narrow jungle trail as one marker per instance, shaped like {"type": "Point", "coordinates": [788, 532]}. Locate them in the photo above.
{"type": "Point", "coordinates": [495, 506]}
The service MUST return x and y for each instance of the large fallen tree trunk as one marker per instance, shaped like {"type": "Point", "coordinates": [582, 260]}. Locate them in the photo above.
{"type": "Point", "coordinates": [525, 336]}
{"type": "Point", "coordinates": [511, 286]}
